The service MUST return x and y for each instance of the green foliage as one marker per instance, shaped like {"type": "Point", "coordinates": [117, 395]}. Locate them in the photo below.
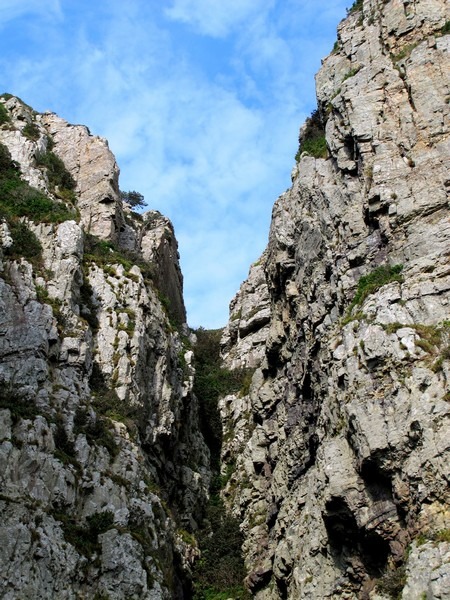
{"type": "Point", "coordinates": [4, 114]}
{"type": "Point", "coordinates": [65, 449]}
{"type": "Point", "coordinates": [25, 243]}
{"type": "Point", "coordinates": [446, 28]}
{"type": "Point", "coordinates": [220, 571]}
{"type": "Point", "coordinates": [443, 535]}
{"type": "Point", "coordinates": [134, 199]}
{"type": "Point", "coordinates": [316, 147]}
{"type": "Point", "coordinates": [100, 522]}
{"type": "Point", "coordinates": [57, 174]}
{"type": "Point", "coordinates": [393, 582]}
{"type": "Point", "coordinates": [105, 253]}
{"type": "Point", "coordinates": [212, 381]}
{"type": "Point", "coordinates": [6, 161]}
{"type": "Point", "coordinates": [87, 306]}
{"type": "Point", "coordinates": [312, 137]}
{"type": "Point", "coordinates": [356, 6]}
{"type": "Point", "coordinates": [101, 596]}
{"type": "Point", "coordinates": [106, 401]}
{"type": "Point", "coordinates": [351, 73]}
{"type": "Point", "coordinates": [19, 199]}
{"type": "Point", "coordinates": [370, 283]}
{"type": "Point", "coordinates": [404, 52]}
{"type": "Point", "coordinates": [31, 131]}
{"type": "Point", "coordinates": [85, 538]}
{"type": "Point", "coordinates": [98, 432]}
{"type": "Point", "coordinates": [20, 408]}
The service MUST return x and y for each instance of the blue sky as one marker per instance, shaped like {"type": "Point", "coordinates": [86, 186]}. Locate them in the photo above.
{"type": "Point", "coordinates": [201, 102]}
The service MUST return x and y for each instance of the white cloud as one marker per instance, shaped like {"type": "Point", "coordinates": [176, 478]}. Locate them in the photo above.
{"type": "Point", "coordinates": [14, 9]}
{"type": "Point", "coordinates": [209, 146]}
{"type": "Point", "coordinates": [216, 17]}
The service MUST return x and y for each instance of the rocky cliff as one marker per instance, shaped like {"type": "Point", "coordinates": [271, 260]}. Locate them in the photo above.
{"type": "Point", "coordinates": [102, 464]}
{"type": "Point", "coordinates": [340, 451]}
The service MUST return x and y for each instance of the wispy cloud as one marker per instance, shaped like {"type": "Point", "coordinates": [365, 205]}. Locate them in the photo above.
{"type": "Point", "coordinates": [14, 9]}
{"type": "Point", "coordinates": [201, 103]}
{"type": "Point", "coordinates": [215, 17]}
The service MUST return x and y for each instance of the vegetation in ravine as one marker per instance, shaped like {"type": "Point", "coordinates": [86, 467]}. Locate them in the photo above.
{"type": "Point", "coordinates": [213, 381]}
{"type": "Point", "coordinates": [219, 573]}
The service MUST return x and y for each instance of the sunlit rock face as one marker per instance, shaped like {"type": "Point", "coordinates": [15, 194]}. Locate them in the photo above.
{"type": "Point", "coordinates": [340, 450]}
{"type": "Point", "coordinates": [102, 463]}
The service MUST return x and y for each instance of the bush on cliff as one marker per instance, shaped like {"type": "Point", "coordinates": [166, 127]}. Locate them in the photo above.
{"type": "Point", "coordinates": [312, 137]}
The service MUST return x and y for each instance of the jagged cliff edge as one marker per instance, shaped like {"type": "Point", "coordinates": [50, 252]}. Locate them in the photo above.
{"type": "Point", "coordinates": [102, 464]}
{"type": "Point", "coordinates": [340, 451]}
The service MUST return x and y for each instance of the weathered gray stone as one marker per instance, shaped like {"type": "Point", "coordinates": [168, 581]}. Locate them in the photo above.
{"type": "Point", "coordinates": [97, 411]}
{"type": "Point", "coordinates": [341, 447]}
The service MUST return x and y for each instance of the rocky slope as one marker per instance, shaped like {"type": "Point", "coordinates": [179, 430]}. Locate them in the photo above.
{"type": "Point", "coordinates": [341, 449]}
{"type": "Point", "coordinates": [102, 464]}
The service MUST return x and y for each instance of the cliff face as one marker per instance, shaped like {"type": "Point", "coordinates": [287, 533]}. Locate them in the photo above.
{"type": "Point", "coordinates": [341, 448]}
{"type": "Point", "coordinates": [102, 464]}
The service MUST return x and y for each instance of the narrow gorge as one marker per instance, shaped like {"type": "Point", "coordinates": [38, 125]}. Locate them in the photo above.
{"type": "Point", "coordinates": [137, 455]}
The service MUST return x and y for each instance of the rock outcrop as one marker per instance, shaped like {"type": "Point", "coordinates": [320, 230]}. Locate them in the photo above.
{"type": "Point", "coordinates": [341, 448]}
{"type": "Point", "coordinates": [102, 463]}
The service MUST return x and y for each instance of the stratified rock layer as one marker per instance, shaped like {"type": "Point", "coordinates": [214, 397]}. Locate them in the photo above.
{"type": "Point", "coordinates": [341, 448]}
{"type": "Point", "coordinates": [99, 435]}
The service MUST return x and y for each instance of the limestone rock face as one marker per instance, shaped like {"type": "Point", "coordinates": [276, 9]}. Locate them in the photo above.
{"type": "Point", "coordinates": [341, 448]}
{"type": "Point", "coordinates": [100, 444]}
{"type": "Point", "coordinates": [243, 340]}
{"type": "Point", "coordinates": [94, 168]}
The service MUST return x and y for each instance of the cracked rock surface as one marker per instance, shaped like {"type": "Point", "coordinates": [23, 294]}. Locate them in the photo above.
{"type": "Point", "coordinates": [341, 448]}
{"type": "Point", "coordinates": [100, 444]}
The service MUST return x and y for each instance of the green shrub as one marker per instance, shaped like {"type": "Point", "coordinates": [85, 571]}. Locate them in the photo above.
{"type": "Point", "coordinates": [88, 309]}
{"type": "Point", "coordinates": [312, 137]}
{"type": "Point", "coordinates": [100, 522]}
{"type": "Point", "coordinates": [357, 5]}
{"type": "Point", "coordinates": [404, 53]}
{"type": "Point", "coordinates": [212, 381]}
{"type": "Point", "coordinates": [104, 253]}
{"type": "Point", "coordinates": [98, 432]}
{"type": "Point", "coordinates": [220, 571]}
{"type": "Point", "coordinates": [4, 114]}
{"type": "Point", "coordinates": [64, 448]}
{"type": "Point", "coordinates": [351, 73]}
{"type": "Point", "coordinates": [6, 161]}
{"type": "Point", "coordinates": [19, 199]}
{"type": "Point", "coordinates": [446, 28]}
{"type": "Point", "coordinates": [370, 283]}
{"type": "Point", "coordinates": [106, 401]}
{"type": "Point", "coordinates": [316, 147]}
{"type": "Point", "coordinates": [20, 408]}
{"type": "Point", "coordinates": [56, 171]}
{"type": "Point", "coordinates": [134, 199]}
{"type": "Point", "coordinates": [85, 538]}
{"type": "Point", "coordinates": [31, 131]}
{"type": "Point", "coordinates": [393, 582]}
{"type": "Point", "coordinates": [25, 243]}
